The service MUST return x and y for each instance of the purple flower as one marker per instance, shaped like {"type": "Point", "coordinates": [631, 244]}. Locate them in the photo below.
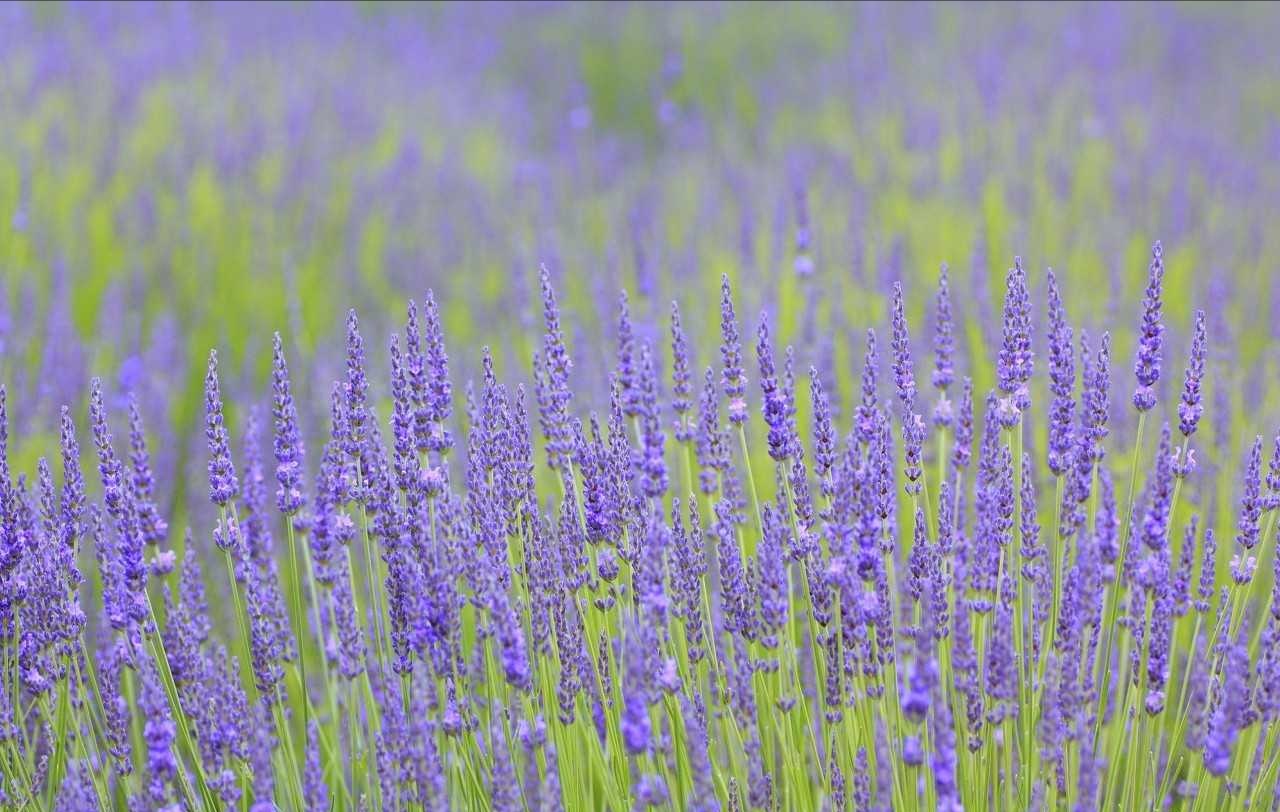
{"type": "Point", "coordinates": [626, 371]}
{"type": "Point", "coordinates": [775, 401]}
{"type": "Point", "coordinates": [1161, 631]}
{"type": "Point", "coordinates": [404, 447]}
{"type": "Point", "coordinates": [903, 375]}
{"type": "Point", "coordinates": [355, 391]}
{"type": "Point", "coordinates": [772, 578]}
{"type": "Point", "coordinates": [315, 792]}
{"type": "Point", "coordinates": [142, 484]}
{"type": "Point", "coordinates": [1015, 363]}
{"type": "Point", "coordinates": [73, 498]}
{"type": "Point", "coordinates": [944, 343]}
{"type": "Point", "coordinates": [433, 393]}
{"type": "Point", "coordinates": [961, 454]}
{"type": "Point", "coordinates": [1251, 502]}
{"type": "Point", "coordinates": [636, 730]}
{"type": "Point", "coordinates": [943, 763]}
{"type": "Point", "coordinates": [1228, 719]}
{"type": "Point", "coordinates": [223, 485]}
{"type": "Point", "coordinates": [158, 734]}
{"type": "Point", "coordinates": [653, 465]}
{"type": "Point", "coordinates": [1186, 562]}
{"type": "Point", "coordinates": [1146, 366]}
{"type": "Point", "coordinates": [732, 377]}
{"type": "Point", "coordinates": [866, 419]}
{"type": "Point", "coordinates": [1190, 409]}
{"type": "Point", "coordinates": [824, 433]}
{"type": "Point", "coordinates": [551, 372]}
{"type": "Point", "coordinates": [265, 645]}
{"type": "Point", "coordinates": [1095, 397]}
{"type": "Point", "coordinates": [681, 379]}
{"type": "Point", "coordinates": [1062, 380]}
{"type": "Point", "coordinates": [287, 440]}
{"type": "Point", "coordinates": [1155, 523]}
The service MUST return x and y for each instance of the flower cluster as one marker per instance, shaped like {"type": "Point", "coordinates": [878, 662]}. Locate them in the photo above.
{"type": "Point", "coordinates": [817, 621]}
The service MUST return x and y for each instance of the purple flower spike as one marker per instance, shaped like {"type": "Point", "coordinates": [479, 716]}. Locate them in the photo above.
{"type": "Point", "coordinates": [963, 451]}
{"type": "Point", "coordinates": [1015, 363]}
{"type": "Point", "coordinates": [681, 379]}
{"type": "Point", "coordinates": [73, 498]}
{"type": "Point", "coordinates": [654, 466]}
{"type": "Point", "coordinates": [408, 473]}
{"type": "Point", "coordinates": [287, 441]}
{"type": "Point", "coordinates": [1161, 632]}
{"type": "Point", "coordinates": [1251, 503]}
{"type": "Point", "coordinates": [824, 433]}
{"type": "Point", "coordinates": [732, 377]}
{"type": "Point", "coordinates": [866, 420]}
{"type": "Point", "coordinates": [432, 415]}
{"type": "Point", "coordinates": [1062, 381]}
{"type": "Point", "coordinates": [159, 734]}
{"type": "Point", "coordinates": [551, 370]}
{"type": "Point", "coordinates": [636, 729]}
{"type": "Point", "coordinates": [356, 390]}
{"type": "Point", "coordinates": [223, 485]}
{"type": "Point", "coordinates": [151, 526]}
{"type": "Point", "coordinates": [775, 401]}
{"type": "Point", "coordinates": [903, 375]}
{"type": "Point", "coordinates": [1155, 524]}
{"type": "Point", "coordinates": [627, 373]}
{"type": "Point", "coordinates": [1190, 409]}
{"type": "Point", "coordinates": [1229, 716]}
{"type": "Point", "coordinates": [1208, 572]}
{"type": "Point", "coordinates": [944, 342]}
{"type": "Point", "coordinates": [1146, 366]}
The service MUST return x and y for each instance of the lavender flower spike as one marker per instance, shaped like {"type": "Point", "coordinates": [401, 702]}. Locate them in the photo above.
{"type": "Point", "coordinates": [1062, 380]}
{"type": "Point", "coordinates": [732, 378]}
{"type": "Point", "coordinates": [1190, 409]}
{"type": "Point", "coordinates": [903, 375]}
{"type": "Point", "coordinates": [1146, 366]}
{"type": "Point", "coordinates": [1015, 363]}
{"type": "Point", "coordinates": [287, 441]}
{"type": "Point", "coordinates": [223, 485]}
{"type": "Point", "coordinates": [944, 342]}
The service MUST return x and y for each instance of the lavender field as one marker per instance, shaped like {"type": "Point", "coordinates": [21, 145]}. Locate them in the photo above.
{"type": "Point", "coordinates": [533, 407]}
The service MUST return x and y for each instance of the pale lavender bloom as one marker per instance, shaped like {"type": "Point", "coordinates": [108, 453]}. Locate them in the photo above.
{"type": "Point", "coordinates": [866, 418]}
{"type": "Point", "coordinates": [627, 371]}
{"type": "Point", "coordinates": [903, 375]}
{"type": "Point", "coordinates": [223, 485]}
{"type": "Point", "coordinates": [151, 526]}
{"type": "Point", "coordinates": [1251, 502]}
{"type": "Point", "coordinates": [1062, 379]}
{"type": "Point", "coordinates": [681, 379]}
{"type": "Point", "coordinates": [1146, 366]}
{"type": "Point", "coordinates": [732, 377]}
{"type": "Point", "coordinates": [944, 342]}
{"type": "Point", "coordinates": [1190, 408]}
{"type": "Point", "coordinates": [287, 440]}
{"type": "Point", "coordinates": [775, 401]}
{"type": "Point", "coordinates": [73, 496]}
{"type": "Point", "coordinates": [434, 406]}
{"type": "Point", "coordinates": [551, 373]}
{"type": "Point", "coordinates": [1228, 719]}
{"type": "Point", "coordinates": [1015, 363]}
{"type": "Point", "coordinates": [355, 391]}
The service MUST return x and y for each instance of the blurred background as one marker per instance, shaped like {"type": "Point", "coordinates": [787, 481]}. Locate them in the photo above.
{"type": "Point", "coordinates": [176, 177]}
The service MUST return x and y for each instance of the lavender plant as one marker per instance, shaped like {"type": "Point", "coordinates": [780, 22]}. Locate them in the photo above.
{"type": "Point", "coordinates": [801, 619]}
{"type": "Point", "coordinates": [532, 407]}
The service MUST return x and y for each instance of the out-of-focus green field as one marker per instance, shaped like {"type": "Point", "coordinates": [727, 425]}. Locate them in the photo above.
{"type": "Point", "coordinates": [175, 178]}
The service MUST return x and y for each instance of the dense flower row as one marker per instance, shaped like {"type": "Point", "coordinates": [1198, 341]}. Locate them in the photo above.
{"type": "Point", "coordinates": [906, 606]}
